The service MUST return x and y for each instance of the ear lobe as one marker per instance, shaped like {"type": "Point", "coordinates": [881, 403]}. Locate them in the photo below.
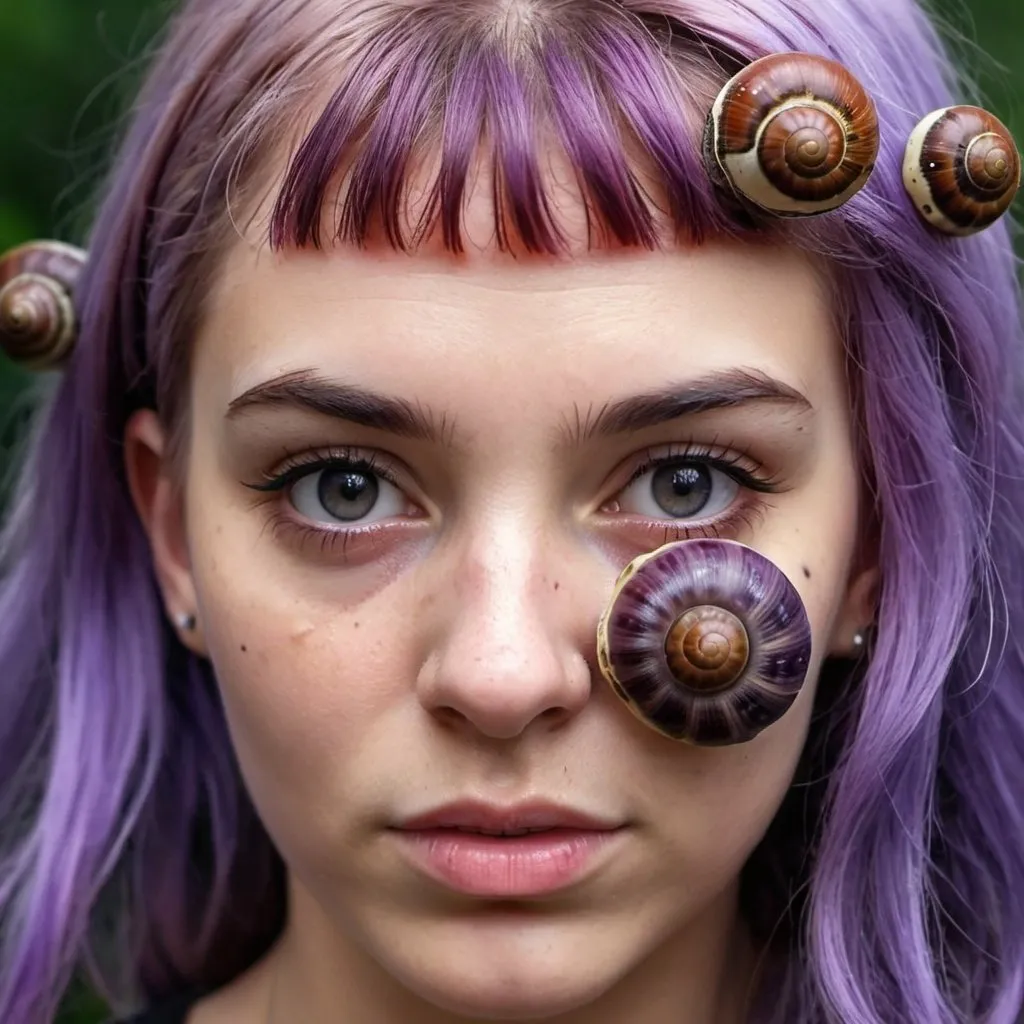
{"type": "Point", "coordinates": [159, 503]}
{"type": "Point", "coordinates": [859, 610]}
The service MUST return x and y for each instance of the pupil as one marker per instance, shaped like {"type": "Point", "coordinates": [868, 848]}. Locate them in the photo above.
{"type": "Point", "coordinates": [347, 494]}
{"type": "Point", "coordinates": [682, 491]}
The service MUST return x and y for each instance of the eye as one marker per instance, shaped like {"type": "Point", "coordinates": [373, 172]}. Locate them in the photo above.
{"type": "Point", "coordinates": [346, 494]}
{"type": "Point", "coordinates": [680, 489]}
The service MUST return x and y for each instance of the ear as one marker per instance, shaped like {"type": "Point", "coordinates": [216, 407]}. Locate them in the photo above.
{"type": "Point", "coordinates": [858, 611]}
{"type": "Point", "coordinates": [159, 501]}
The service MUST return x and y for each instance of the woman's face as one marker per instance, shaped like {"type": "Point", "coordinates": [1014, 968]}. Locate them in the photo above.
{"type": "Point", "coordinates": [411, 485]}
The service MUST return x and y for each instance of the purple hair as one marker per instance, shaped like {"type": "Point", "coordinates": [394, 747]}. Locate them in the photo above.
{"type": "Point", "coordinates": [892, 881]}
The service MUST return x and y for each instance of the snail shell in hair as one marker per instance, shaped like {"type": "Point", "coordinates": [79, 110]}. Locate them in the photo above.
{"type": "Point", "coordinates": [794, 134]}
{"type": "Point", "coordinates": [38, 326]}
{"type": "Point", "coordinates": [962, 169]}
{"type": "Point", "coordinates": [706, 641]}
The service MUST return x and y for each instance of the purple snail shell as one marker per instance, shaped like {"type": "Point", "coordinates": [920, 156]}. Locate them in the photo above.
{"type": "Point", "coordinates": [961, 169]}
{"type": "Point", "coordinates": [706, 641]}
{"type": "Point", "coordinates": [793, 133]}
{"type": "Point", "coordinates": [38, 325]}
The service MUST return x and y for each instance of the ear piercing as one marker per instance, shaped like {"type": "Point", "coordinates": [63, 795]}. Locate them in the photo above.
{"type": "Point", "coordinates": [185, 621]}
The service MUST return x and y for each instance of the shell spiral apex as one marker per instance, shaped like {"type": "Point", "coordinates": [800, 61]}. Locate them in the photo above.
{"type": "Point", "coordinates": [962, 169]}
{"type": "Point", "coordinates": [706, 641]}
{"type": "Point", "coordinates": [38, 324]}
{"type": "Point", "coordinates": [794, 134]}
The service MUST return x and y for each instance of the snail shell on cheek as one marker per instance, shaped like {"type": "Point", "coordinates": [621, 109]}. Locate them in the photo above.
{"type": "Point", "coordinates": [706, 641]}
{"type": "Point", "coordinates": [793, 133]}
{"type": "Point", "coordinates": [962, 169]}
{"type": "Point", "coordinates": [37, 317]}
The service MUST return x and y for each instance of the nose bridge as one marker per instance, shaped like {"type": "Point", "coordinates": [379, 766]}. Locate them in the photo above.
{"type": "Point", "coordinates": [500, 575]}
{"type": "Point", "coordinates": [509, 650]}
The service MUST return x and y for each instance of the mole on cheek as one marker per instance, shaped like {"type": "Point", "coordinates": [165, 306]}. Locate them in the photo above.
{"type": "Point", "coordinates": [244, 648]}
{"type": "Point", "coordinates": [807, 573]}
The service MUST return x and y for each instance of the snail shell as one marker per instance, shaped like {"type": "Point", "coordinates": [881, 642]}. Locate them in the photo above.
{"type": "Point", "coordinates": [962, 169]}
{"type": "Point", "coordinates": [38, 326]}
{"type": "Point", "coordinates": [706, 641]}
{"type": "Point", "coordinates": [794, 133]}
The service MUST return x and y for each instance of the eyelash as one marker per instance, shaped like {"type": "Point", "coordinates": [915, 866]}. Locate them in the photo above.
{"type": "Point", "coordinates": [298, 466]}
{"type": "Point", "coordinates": [734, 464]}
{"type": "Point", "coordinates": [737, 465]}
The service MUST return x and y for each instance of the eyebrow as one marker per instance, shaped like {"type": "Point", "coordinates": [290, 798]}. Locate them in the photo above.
{"type": "Point", "coordinates": [721, 389]}
{"type": "Point", "coordinates": [307, 391]}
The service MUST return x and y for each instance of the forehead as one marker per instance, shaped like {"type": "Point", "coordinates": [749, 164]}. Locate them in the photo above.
{"type": "Point", "coordinates": [470, 327]}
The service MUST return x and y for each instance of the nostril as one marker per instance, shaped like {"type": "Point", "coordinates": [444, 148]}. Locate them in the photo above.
{"type": "Point", "coordinates": [555, 716]}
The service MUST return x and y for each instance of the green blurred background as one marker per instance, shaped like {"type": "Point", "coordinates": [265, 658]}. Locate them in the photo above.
{"type": "Point", "coordinates": [69, 68]}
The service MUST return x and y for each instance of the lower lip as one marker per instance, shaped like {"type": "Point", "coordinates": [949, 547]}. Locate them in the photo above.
{"type": "Point", "coordinates": [506, 867]}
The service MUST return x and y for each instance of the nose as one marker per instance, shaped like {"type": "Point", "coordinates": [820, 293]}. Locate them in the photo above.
{"type": "Point", "coordinates": [510, 650]}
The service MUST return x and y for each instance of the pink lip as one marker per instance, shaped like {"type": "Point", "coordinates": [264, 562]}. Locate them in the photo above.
{"type": "Point", "coordinates": [467, 847]}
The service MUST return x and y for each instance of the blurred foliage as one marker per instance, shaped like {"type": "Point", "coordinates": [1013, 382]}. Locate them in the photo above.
{"type": "Point", "coordinates": [69, 68]}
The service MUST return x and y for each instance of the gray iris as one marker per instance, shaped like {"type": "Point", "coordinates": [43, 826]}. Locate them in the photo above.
{"type": "Point", "coordinates": [347, 494]}
{"type": "Point", "coordinates": [682, 490]}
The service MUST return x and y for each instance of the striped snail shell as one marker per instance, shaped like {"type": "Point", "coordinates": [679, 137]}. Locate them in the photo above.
{"type": "Point", "coordinates": [706, 641]}
{"type": "Point", "coordinates": [793, 133]}
{"type": "Point", "coordinates": [38, 326]}
{"type": "Point", "coordinates": [962, 169]}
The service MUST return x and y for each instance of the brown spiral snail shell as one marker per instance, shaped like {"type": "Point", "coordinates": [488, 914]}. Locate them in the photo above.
{"type": "Point", "coordinates": [793, 133]}
{"type": "Point", "coordinates": [706, 641]}
{"type": "Point", "coordinates": [38, 325]}
{"type": "Point", "coordinates": [961, 169]}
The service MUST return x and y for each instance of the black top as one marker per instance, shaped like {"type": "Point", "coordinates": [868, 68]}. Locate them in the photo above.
{"type": "Point", "coordinates": [173, 1012]}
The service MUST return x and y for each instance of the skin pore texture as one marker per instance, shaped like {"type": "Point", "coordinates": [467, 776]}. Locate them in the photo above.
{"type": "Point", "coordinates": [444, 648]}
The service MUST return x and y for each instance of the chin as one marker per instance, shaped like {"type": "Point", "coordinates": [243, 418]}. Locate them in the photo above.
{"type": "Point", "coordinates": [527, 973]}
{"type": "Point", "coordinates": [491, 995]}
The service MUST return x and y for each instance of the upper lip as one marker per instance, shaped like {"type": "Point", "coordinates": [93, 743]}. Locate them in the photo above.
{"type": "Point", "coordinates": [477, 816]}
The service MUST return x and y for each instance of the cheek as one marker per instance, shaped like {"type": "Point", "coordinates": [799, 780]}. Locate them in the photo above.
{"type": "Point", "coordinates": [716, 803]}
{"type": "Point", "coordinates": [727, 797]}
{"type": "Point", "coordinates": [812, 536]}
{"type": "Point", "coordinates": [713, 805]}
{"type": "Point", "coordinates": [307, 681]}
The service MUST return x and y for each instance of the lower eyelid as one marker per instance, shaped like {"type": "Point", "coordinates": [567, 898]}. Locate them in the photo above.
{"type": "Point", "coordinates": [340, 540]}
{"type": "Point", "coordinates": [739, 517]}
